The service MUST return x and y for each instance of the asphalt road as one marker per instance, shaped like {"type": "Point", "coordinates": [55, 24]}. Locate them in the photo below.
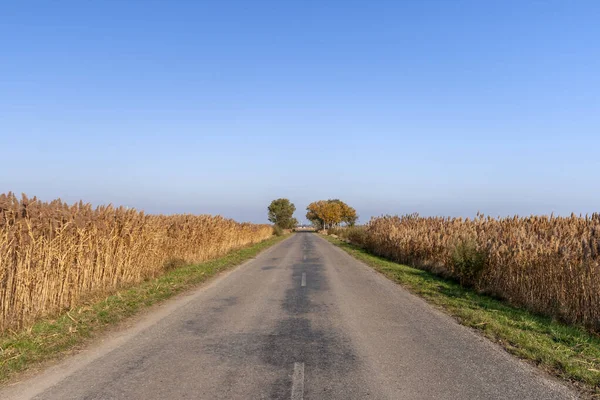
{"type": "Point", "coordinates": [302, 320]}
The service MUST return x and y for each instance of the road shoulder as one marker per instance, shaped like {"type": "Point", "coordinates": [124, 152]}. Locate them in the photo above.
{"type": "Point", "coordinates": [100, 324]}
{"type": "Point", "coordinates": [569, 353]}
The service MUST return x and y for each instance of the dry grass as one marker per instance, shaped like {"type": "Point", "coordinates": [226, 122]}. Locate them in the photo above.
{"type": "Point", "coordinates": [53, 255]}
{"type": "Point", "coordinates": [549, 265]}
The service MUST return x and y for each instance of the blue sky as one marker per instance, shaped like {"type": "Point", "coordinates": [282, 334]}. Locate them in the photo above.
{"type": "Point", "coordinates": [436, 107]}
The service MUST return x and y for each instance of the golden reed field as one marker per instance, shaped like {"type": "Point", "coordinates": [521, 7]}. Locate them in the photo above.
{"type": "Point", "coordinates": [53, 254]}
{"type": "Point", "coordinates": [548, 264]}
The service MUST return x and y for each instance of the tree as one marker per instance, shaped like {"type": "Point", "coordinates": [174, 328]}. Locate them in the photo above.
{"type": "Point", "coordinates": [329, 213]}
{"type": "Point", "coordinates": [349, 216]}
{"type": "Point", "coordinates": [281, 213]}
{"type": "Point", "coordinates": [314, 214]}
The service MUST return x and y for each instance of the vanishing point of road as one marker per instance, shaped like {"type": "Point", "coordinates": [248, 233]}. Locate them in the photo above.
{"type": "Point", "coordinates": [303, 320]}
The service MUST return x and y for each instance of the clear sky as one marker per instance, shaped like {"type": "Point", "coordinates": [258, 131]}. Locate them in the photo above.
{"type": "Point", "coordinates": [436, 107]}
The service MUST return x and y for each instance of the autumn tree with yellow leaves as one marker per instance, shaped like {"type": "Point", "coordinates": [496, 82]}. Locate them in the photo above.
{"type": "Point", "coordinates": [329, 213]}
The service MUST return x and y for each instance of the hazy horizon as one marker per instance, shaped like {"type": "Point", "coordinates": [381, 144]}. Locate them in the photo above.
{"type": "Point", "coordinates": [365, 212]}
{"type": "Point", "coordinates": [440, 108]}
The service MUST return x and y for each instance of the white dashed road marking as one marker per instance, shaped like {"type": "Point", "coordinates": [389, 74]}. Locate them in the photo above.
{"type": "Point", "coordinates": [298, 382]}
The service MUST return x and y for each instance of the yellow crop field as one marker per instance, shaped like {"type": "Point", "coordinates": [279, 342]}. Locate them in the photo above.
{"type": "Point", "coordinates": [52, 255]}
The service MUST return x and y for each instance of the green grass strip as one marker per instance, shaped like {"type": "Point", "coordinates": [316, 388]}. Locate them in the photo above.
{"type": "Point", "coordinates": [569, 352]}
{"type": "Point", "coordinates": [49, 338]}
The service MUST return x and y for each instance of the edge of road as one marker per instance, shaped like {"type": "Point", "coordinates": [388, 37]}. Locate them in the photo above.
{"type": "Point", "coordinates": [53, 348]}
{"type": "Point", "coordinates": [532, 338]}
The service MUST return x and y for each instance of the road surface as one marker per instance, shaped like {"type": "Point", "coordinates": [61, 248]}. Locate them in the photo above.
{"type": "Point", "coordinates": [303, 320]}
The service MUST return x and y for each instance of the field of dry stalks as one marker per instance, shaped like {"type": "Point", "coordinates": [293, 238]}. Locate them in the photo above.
{"type": "Point", "coordinates": [550, 265]}
{"type": "Point", "coordinates": [53, 255]}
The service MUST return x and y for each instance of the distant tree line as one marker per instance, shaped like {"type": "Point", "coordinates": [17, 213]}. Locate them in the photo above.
{"type": "Point", "coordinates": [323, 214]}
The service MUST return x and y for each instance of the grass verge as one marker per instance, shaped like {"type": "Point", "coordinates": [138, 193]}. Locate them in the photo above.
{"type": "Point", "coordinates": [49, 338]}
{"type": "Point", "coordinates": [569, 352]}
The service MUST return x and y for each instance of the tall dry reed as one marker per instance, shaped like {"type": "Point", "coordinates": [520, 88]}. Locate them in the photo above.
{"type": "Point", "coordinates": [53, 254]}
{"type": "Point", "coordinates": [548, 264]}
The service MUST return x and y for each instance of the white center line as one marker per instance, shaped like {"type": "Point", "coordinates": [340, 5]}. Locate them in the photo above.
{"type": "Point", "coordinates": [304, 279]}
{"type": "Point", "coordinates": [298, 382]}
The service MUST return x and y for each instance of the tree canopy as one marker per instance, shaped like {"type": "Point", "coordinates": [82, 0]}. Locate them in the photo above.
{"type": "Point", "coordinates": [281, 213]}
{"type": "Point", "coordinates": [329, 213]}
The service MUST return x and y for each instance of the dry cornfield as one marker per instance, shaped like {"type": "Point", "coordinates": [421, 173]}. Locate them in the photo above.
{"type": "Point", "coordinates": [547, 264]}
{"type": "Point", "coordinates": [53, 255]}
